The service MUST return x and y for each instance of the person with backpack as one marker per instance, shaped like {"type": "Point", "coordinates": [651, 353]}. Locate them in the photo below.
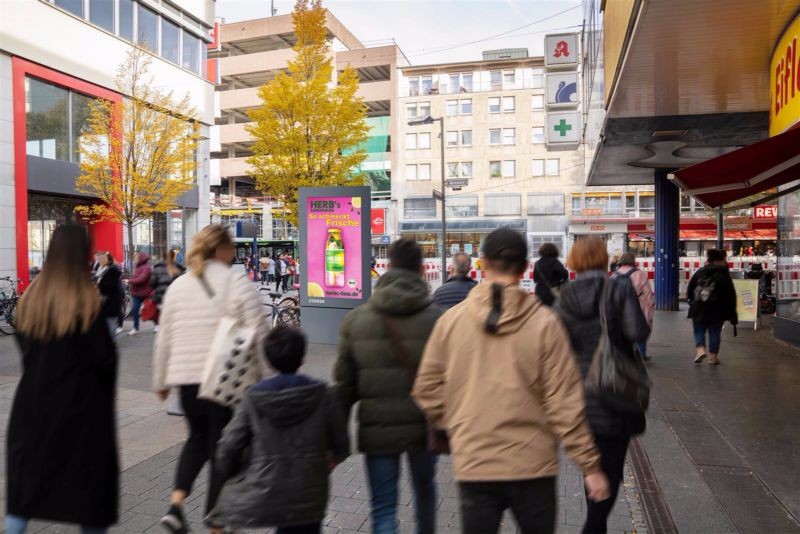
{"type": "Point", "coordinates": [294, 431]}
{"type": "Point", "coordinates": [641, 285]}
{"type": "Point", "coordinates": [280, 271]}
{"type": "Point", "coordinates": [582, 315]}
{"type": "Point", "coordinates": [499, 376]}
{"type": "Point", "coordinates": [164, 273]}
{"type": "Point", "coordinates": [712, 301]}
{"type": "Point", "coordinates": [549, 274]}
{"type": "Point", "coordinates": [380, 347]}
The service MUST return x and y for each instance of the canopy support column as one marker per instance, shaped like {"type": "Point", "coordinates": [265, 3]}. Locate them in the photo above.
{"type": "Point", "coordinates": [720, 229]}
{"type": "Point", "coordinates": [667, 234]}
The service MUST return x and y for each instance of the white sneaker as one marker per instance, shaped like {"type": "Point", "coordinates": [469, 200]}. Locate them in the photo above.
{"type": "Point", "coordinates": [133, 332]}
{"type": "Point", "coordinates": [118, 331]}
{"type": "Point", "coordinates": [155, 329]}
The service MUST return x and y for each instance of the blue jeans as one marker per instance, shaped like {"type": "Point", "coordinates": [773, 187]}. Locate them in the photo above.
{"type": "Point", "coordinates": [714, 334]}
{"type": "Point", "coordinates": [383, 471]}
{"type": "Point", "coordinates": [642, 346]}
{"type": "Point", "coordinates": [136, 308]}
{"type": "Point", "coordinates": [112, 326]}
{"type": "Point", "coordinates": [17, 525]}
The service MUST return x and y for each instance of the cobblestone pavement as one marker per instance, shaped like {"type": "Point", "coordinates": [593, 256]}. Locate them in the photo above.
{"type": "Point", "coordinates": [150, 441]}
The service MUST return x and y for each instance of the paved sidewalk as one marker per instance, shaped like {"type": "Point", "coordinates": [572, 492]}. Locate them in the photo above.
{"type": "Point", "coordinates": [150, 441]}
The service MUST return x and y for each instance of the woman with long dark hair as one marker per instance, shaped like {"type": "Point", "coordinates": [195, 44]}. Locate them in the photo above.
{"type": "Point", "coordinates": [108, 277]}
{"type": "Point", "coordinates": [61, 445]}
{"type": "Point", "coordinates": [579, 306]}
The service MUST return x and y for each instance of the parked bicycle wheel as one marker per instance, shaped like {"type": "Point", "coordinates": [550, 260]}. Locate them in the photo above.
{"type": "Point", "coordinates": [8, 310]}
{"type": "Point", "coordinates": [287, 302]}
{"type": "Point", "coordinates": [289, 316]}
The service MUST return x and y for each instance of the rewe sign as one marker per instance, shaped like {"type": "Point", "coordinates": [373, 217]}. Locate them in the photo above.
{"type": "Point", "coordinates": [765, 212]}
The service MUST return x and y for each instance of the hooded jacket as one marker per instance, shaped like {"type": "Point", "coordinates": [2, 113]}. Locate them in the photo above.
{"type": "Point", "coordinates": [290, 423]}
{"type": "Point", "coordinates": [139, 282]}
{"type": "Point", "coordinates": [548, 274]}
{"type": "Point", "coordinates": [579, 307]}
{"type": "Point", "coordinates": [505, 398]}
{"type": "Point", "coordinates": [369, 372]}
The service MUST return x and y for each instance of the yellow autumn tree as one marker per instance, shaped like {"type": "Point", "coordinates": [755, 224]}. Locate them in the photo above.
{"type": "Point", "coordinates": [139, 157]}
{"type": "Point", "coordinates": [308, 129]}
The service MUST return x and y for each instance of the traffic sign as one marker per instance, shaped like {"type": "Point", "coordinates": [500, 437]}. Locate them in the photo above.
{"type": "Point", "coordinates": [457, 182]}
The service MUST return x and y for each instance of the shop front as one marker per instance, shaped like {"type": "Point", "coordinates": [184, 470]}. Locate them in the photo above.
{"type": "Point", "coordinates": [462, 235]}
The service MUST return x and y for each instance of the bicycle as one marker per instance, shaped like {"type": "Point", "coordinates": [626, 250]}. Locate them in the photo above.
{"type": "Point", "coordinates": [285, 313]}
{"type": "Point", "coordinates": [8, 305]}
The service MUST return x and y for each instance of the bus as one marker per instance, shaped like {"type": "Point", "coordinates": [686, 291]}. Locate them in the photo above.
{"type": "Point", "coordinates": [261, 247]}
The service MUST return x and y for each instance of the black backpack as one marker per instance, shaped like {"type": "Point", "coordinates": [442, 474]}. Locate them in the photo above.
{"type": "Point", "coordinates": [705, 290]}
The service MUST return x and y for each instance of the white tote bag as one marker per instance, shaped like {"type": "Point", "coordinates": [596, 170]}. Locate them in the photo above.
{"type": "Point", "coordinates": [232, 365]}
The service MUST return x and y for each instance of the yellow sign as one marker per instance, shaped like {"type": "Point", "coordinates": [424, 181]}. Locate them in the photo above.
{"type": "Point", "coordinates": [746, 299]}
{"type": "Point", "coordinates": [784, 81]}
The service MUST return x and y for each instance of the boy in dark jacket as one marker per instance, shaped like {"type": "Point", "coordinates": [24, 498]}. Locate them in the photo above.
{"type": "Point", "coordinates": [296, 434]}
{"type": "Point", "coordinates": [712, 301]}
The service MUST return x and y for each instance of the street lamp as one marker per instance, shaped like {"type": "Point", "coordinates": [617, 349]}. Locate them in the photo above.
{"type": "Point", "coordinates": [430, 120]}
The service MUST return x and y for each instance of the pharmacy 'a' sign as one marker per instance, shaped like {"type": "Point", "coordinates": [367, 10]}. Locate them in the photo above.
{"type": "Point", "coordinates": [563, 128]}
{"type": "Point", "coordinates": [561, 51]}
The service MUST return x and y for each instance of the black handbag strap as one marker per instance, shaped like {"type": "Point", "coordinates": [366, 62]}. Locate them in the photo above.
{"type": "Point", "coordinates": [604, 305]}
{"type": "Point", "coordinates": [206, 286]}
{"type": "Point", "coordinates": [398, 349]}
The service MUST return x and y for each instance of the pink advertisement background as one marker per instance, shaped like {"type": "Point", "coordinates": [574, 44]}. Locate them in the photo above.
{"type": "Point", "coordinates": [314, 259]}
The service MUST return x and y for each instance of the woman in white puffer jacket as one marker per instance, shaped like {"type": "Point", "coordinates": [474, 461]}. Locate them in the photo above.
{"type": "Point", "coordinates": [193, 307]}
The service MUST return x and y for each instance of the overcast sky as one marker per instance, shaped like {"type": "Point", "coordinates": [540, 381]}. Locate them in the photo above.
{"type": "Point", "coordinates": [436, 31]}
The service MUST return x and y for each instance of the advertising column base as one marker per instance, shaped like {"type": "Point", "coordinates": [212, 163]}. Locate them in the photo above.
{"type": "Point", "coordinates": [322, 325]}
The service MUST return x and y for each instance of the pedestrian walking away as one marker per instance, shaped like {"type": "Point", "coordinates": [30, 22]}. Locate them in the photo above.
{"type": "Point", "coordinates": [280, 271]}
{"type": "Point", "coordinates": [498, 374]}
{"type": "Point", "coordinates": [264, 264]}
{"type": "Point", "coordinates": [641, 286]}
{"type": "Point", "coordinates": [458, 286]}
{"type": "Point", "coordinates": [370, 372]}
{"type": "Point", "coordinates": [549, 274]}
{"type": "Point", "coordinates": [296, 433]}
{"type": "Point", "coordinates": [193, 309]}
{"type": "Point", "coordinates": [164, 273]}
{"type": "Point", "coordinates": [108, 277]}
{"type": "Point", "coordinates": [712, 301]}
{"type": "Point", "coordinates": [579, 307]}
{"type": "Point", "coordinates": [62, 440]}
{"type": "Point", "coordinates": [140, 287]}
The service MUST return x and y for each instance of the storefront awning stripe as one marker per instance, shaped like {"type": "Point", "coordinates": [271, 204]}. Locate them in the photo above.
{"type": "Point", "coordinates": [744, 172]}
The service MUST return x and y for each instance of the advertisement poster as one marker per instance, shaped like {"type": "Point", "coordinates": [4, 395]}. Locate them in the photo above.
{"type": "Point", "coordinates": [746, 299]}
{"type": "Point", "coordinates": [334, 229]}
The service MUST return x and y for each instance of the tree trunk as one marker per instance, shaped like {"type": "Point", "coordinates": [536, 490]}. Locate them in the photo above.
{"type": "Point", "coordinates": [131, 247]}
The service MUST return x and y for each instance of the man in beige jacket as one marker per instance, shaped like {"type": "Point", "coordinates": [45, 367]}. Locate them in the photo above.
{"type": "Point", "coordinates": [499, 375]}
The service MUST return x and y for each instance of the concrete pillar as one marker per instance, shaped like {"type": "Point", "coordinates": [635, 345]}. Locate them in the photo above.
{"type": "Point", "coordinates": [668, 211]}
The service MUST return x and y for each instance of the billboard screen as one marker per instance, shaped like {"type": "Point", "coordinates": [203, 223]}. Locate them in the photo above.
{"type": "Point", "coordinates": [335, 246]}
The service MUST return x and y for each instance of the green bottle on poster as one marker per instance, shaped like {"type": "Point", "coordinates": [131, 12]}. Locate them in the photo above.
{"type": "Point", "coordinates": [334, 259]}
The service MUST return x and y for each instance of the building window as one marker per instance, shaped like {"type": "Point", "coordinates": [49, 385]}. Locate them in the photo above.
{"type": "Point", "coordinates": [455, 83]}
{"type": "Point", "coordinates": [147, 29]}
{"type": "Point", "coordinates": [411, 141]}
{"type": "Point", "coordinates": [101, 13]}
{"type": "Point", "coordinates": [537, 102]}
{"type": "Point", "coordinates": [614, 204]}
{"type": "Point", "coordinates": [466, 169]}
{"type": "Point", "coordinates": [466, 106]}
{"type": "Point", "coordinates": [494, 136]}
{"type": "Point", "coordinates": [411, 110]}
{"type": "Point", "coordinates": [466, 82]}
{"type": "Point", "coordinates": [452, 170]}
{"type": "Point", "coordinates": [509, 168]}
{"type": "Point", "coordinates": [686, 203]}
{"type": "Point", "coordinates": [424, 109]}
{"type": "Point", "coordinates": [496, 205]}
{"type": "Point", "coordinates": [495, 80]}
{"type": "Point", "coordinates": [466, 137]}
{"type": "Point", "coordinates": [424, 171]}
{"type": "Point", "coordinates": [630, 204]}
{"type": "Point", "coordinates": [509, 136]}
{"type": "Point", "coordinates": [495, 169]}
{"type": "Point", "coordinates": [537, 134]}
{"type": "Point", "coordinates": [47, 120]}
{"type": "Point", "coordinates": [508, 104]}
{"type": "Point", "coordinates": [577, 204]}
{"type": "Point", "coordinates": [170, 41]}
{"type": "Point", "coordinates": [647, 203]}
{"type": "Point", "coordinates": [413, 87]}
{"type": "Point", "coordinates": [418, 208]}
{"type": "Point", "coordinates": [538, 167]}
{"type": "Point", "coordinates": [190, 52]}
{"type": "Point", "coordinates": [461, 206]}
{"type": "Point", "coordinates": [452, 138]}
{"type": "Point", "coordinates": [537, 81]}
{"type": "Point", "coordinates": [80, 114]}
{"type": "Point", "coordinates": [452, 107]}
{"type": "Point", "coordinates": [426, 85]}
{"type": "Point", "coordinates": [126, 20]}
{"type": "Point", "coordinates": [553, 167]}
{"type": "Point", "coordinates": [73, 6]}
{"type": "Point", "coordinates": [424, 141]}
{"type": "Point", "coordinates": [411, 172]}
{"type": "Point", "coordinates": [509, 78]}
{"type": "Point", "coordinates": [546, 204]}
{"type": "Point", "coordinates": [494, 104]}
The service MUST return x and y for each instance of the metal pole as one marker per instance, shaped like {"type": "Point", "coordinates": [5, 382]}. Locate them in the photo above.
{"type": "Point", "coordinates": [444, 221]}
{"type": "Point", "coordinates": [720, 229]}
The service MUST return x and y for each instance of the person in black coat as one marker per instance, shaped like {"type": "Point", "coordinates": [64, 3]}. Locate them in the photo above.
{"type": "Point", "coordinates": [164, 273]}
{"type": "Point", "coordinates": [579, 307]}
{"type": "Point", "coordinates": [712, 301]}
{"type": "Point", "coordinates": [61, 444]}
{"type": "Point", "coordinates": [108, 278]}
{"type": "Point", "coordinates": [296, 432]}
{"type": "Point", "coordinates": [548, 274]}
{"type": "Point", "coordinates": [458, 286]}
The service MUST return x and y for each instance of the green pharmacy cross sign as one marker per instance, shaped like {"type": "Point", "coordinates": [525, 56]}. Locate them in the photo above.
{"type": "Point", "coordinates": [562, 128]}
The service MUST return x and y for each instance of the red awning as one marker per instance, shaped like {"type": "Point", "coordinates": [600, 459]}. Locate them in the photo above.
{"type": "Point", "coordinates": [743, 172]}
{"type": "Point", "coordinates": [730, 235]}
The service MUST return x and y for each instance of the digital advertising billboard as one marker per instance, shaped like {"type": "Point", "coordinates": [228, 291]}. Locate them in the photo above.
{"type": "Point", "coordinates": [335, 246]}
